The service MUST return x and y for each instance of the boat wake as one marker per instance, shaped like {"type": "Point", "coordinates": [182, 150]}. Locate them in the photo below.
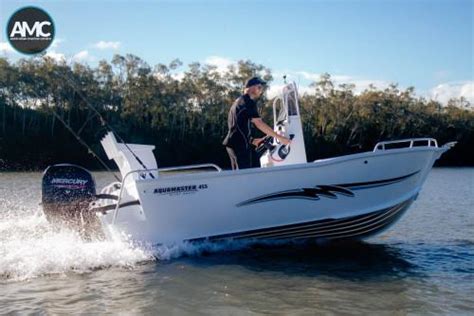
{"type": "Point", "coordinates": [30, 247]}
{"type": "Point", "coordinates": [188, 249]}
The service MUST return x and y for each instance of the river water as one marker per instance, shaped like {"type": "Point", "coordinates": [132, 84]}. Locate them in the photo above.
{"type": "Point", "coordinates": [423, 265]}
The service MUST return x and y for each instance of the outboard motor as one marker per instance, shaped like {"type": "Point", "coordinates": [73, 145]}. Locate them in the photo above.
{"type": "Point", "coordinates": [67, 191]}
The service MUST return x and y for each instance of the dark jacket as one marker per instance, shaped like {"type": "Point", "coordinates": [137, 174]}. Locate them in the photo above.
{"type": "Point", "coordinates": [243, 110]}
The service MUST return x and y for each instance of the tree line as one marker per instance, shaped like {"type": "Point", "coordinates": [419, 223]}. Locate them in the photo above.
{"type": "Point", "coordinates": [183, 112]}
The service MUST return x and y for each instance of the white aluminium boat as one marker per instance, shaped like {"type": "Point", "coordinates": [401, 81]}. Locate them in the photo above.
{"type": "Point", "coordinates": [347, 197]}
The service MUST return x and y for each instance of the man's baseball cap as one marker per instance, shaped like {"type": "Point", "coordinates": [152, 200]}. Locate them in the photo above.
{"type": "Point", "coordinates": [254, 81]}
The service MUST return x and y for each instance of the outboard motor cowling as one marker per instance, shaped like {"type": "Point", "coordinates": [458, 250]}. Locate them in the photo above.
{"type": "Point", "coordinates": [67, 191]}
{"type": "Point", "coordinates": [67, 183]}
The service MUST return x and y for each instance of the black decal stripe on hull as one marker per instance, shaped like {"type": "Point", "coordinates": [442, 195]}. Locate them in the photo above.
{"type": "Point", "coordinates": [291, 194]}
{"type": "Point", "coordinates": [349, 230]}
{"type": "Point", "coordinates": [380, 216]}
{"type": "Point", "coordinates": [371, 184]}
{"type": "Point", "coordinates": [337, 189]}
{"type": "Point", "coordinates": [349, 227]}
{"type": "Point", "coordinates": [361, 233]}
{"type": "Point", "coordinates": [303, 193]}
{"type": "Point", "coordinates": [277, 197]}
{"type": "Point", "coordinates": [328, 191]}
{"type": "Point", "coordinates": [330, 223]}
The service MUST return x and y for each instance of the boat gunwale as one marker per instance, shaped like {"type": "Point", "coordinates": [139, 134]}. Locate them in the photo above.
{"type": "Point", "coordinates": [308, 165]}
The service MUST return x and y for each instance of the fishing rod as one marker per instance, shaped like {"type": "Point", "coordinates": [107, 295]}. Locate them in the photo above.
{"type": "Point", "coordinates": [89, 149]}
{"type": "Point", "coordinates": [104, 122]}
{"type": "Point", "coordinates": [82, 142]}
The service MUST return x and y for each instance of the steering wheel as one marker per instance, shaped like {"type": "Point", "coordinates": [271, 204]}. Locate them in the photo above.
{"type": "Point", "coordinates": [265, 145]}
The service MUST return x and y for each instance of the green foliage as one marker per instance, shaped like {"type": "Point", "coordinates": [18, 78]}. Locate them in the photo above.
{"type": "Point", "coordinates": [183, 112]}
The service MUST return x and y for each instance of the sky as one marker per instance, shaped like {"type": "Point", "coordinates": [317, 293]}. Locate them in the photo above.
{"type": "Point", "coordinates": [427, 44]}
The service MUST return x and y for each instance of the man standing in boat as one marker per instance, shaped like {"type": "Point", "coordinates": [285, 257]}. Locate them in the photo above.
{"type": "Point", "coordinates": [243, 112]}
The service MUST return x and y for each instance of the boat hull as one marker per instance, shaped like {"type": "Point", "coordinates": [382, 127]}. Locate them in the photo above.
{"type": "Point", "coordinates": [353, 227]}
{"type": "Point", "coordinates": [348, 197]}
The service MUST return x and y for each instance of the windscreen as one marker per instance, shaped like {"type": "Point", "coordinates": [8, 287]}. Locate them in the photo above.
{"type": "Point", "coordinates": [292, 103]}
{"type": "Point", "coordinates": [280, 109]}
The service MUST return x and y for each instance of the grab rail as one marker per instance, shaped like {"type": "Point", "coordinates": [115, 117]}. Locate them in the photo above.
{"type": "Point", "coordinates": [430, 142]}
{"type": "Point", "coordinates": [199, 166]}
{"type": "Point", "coordinates": [122, 185]}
